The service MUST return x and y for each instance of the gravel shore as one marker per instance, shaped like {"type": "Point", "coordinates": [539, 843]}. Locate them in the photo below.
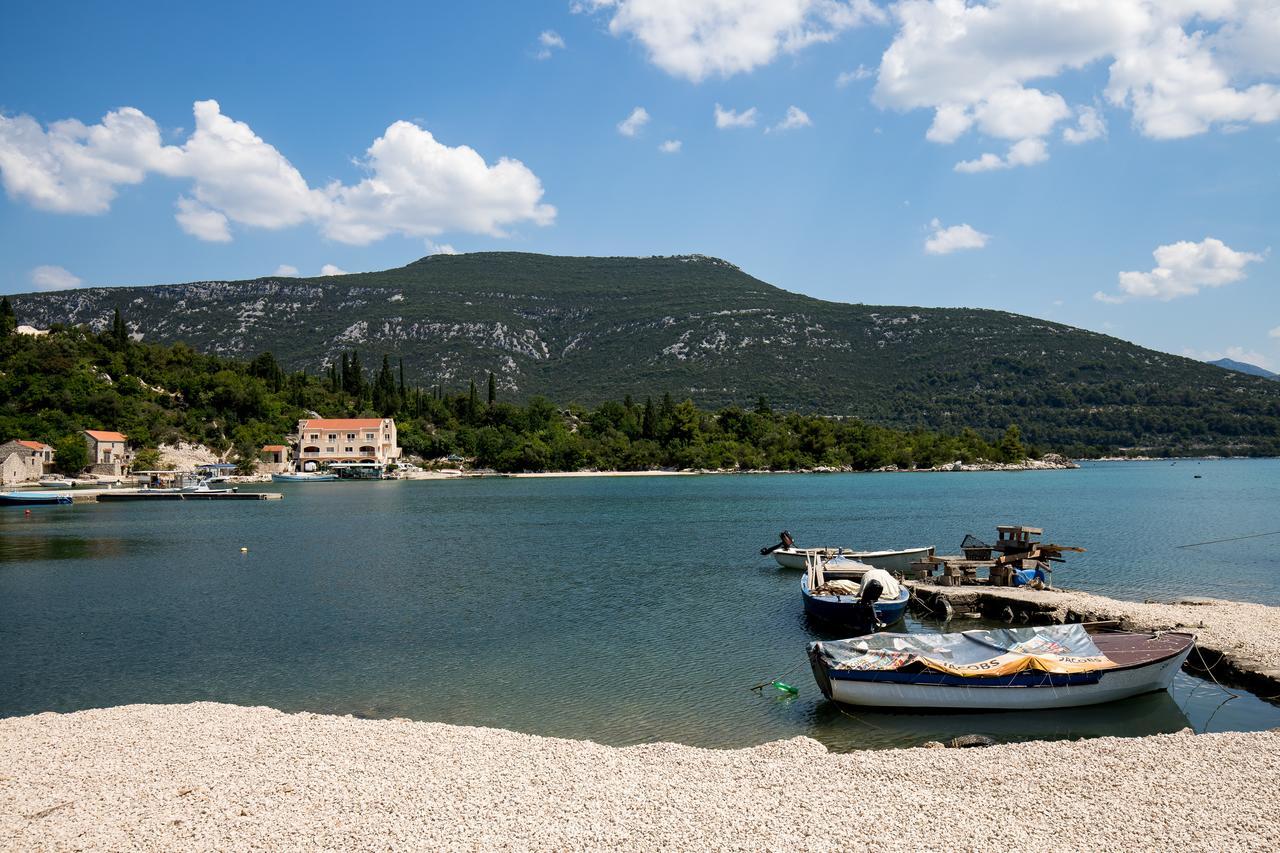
{"type": "Point", "coordinates": [208, 776]}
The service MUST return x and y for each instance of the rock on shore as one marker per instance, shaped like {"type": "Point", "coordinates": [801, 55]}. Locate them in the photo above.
{"type": "Point", "coordinates": [209, 776]}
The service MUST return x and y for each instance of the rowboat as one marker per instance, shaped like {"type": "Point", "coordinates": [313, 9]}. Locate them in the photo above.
{"type": "Point", "coordinates": [304, 477]}
{"type": "Point", "coordinates": [891, 560]}
{"type": "Point", "coordinates": [853, 595]}
{"type": "Point", "coordinates": [33, 498]}
{"type": "Point", "coordinates": [1011, 669]}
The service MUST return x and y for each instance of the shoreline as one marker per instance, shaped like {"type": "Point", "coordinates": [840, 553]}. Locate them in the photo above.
{"type": "Point", "coordinates": [208, 776]}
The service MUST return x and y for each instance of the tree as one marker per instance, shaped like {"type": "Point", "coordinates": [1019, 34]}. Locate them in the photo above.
{"type": "Point", "coordinates": [71, 454]}
{"type": "Point", "coordinates": [119, 331]}
{"type": "Point", "coordinates": [1011, 449]}
{"type": "Point", "coordinates": [403, 395]}
{"type": "Point", "coordinates": [762, 406]}
{"type": "Point", "coordinates": [493, 389]}
{"type": "Point", "coordinates": [8, 319]}
{"type": "Point", "coordinates": [385, 399]}
{"type": "Point", "coordinates": [473, 402]}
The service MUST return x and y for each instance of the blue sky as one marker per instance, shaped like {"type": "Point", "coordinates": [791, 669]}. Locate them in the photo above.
{"type": "Point", "coordinates": [1129, 185]}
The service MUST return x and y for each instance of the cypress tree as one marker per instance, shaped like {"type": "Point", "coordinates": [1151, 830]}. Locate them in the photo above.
{"type": "Point", "coordinates": [473, 401]}
{"type": "Point", "coordinates": [493, 389]}
{"type": "Point", "coordinates": [119, 332]}
{"type": "Point", "coordinates": [402, 389]}
{"type": "Point", "coordinates": [649, 422]}
{"type": "Point", "coordinates": [357, 375]}
{"type": "Point", "coordinates": [8, 319]}
{"type": "Point", "coordinates": [346, 374]}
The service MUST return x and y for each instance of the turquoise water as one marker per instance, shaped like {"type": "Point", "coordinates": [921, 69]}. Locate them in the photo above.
{"type": "Point", "coordinates": [620, 610]}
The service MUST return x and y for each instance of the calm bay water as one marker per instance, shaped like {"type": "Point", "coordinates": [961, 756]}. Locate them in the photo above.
{"type": "Point", "coordinates": [621, 610]}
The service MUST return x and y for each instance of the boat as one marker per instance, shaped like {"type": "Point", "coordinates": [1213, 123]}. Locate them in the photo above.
{"type": "Point", "coordinates": [1010, 669]}
{"type": "Point", "coordinates": [303, 477]}
{"type": "Point", "coordinates": [851, 594]}
{"type": "Point", "coordinates": [57, 483]}
{"type": "Point", "coordinates": [891, 560]}
{"type": "Point", "coordinates": [33, 498]}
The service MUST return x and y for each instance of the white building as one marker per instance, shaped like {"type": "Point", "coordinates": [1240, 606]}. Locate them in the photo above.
{"type": "Point", "coordinates": [325, 440]}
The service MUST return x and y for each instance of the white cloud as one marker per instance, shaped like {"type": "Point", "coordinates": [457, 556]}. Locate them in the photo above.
{"type": "Point", "coordinates": [671, 146]}
{"type": "Point", "coordinates": [946, 240]}
{"type": "Point", "coordinates": [415, 186]}
{"type": "Point", "coordinates": [434, 248]}
{"type": "Point", "coordinates": [1182, 269]}
{"type": "Point", "coordinates": [795, 117]}
{"type": "Point", "coordinates": [52, 277]}
{"type": "Point", "coordinates": [732, 118]}
{"type": "Point", "coordinates": [330, 269]}
{"type": "Point", "coordinates": [844, 78]}
{"type": "Point", "coordinates": [1089, 125]}
{"type": "Point", "coordinates": [286, 270]}
{"type": "Point", "coordinates": [1026, 152]}
{"type": "Point", "coordinates": [1180, 67]}
{"type": "Point", "coordinates": [696, 39]}
{"type": "Point", "coordinates": [632, 124]}
{"type": "Point", "coordinates": [548, 42]}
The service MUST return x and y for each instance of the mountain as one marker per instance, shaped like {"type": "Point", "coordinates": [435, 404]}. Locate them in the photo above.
{"type": "Point", "coordinates": [588, 329]}
{"type": "Point", "coordinates": [1244, 367]}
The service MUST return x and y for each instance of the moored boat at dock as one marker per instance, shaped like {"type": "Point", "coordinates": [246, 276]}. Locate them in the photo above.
{"type": "Point", "coordinates": [303, 477]}
{"type": "Point", "coordinates": [891, 560]}
{"type": "Point", "coordinates": [852, 595]}
{"type": "Point", "coordinates": [1059, 666]}
{"type": "Point", "coordinates": [33, 498]}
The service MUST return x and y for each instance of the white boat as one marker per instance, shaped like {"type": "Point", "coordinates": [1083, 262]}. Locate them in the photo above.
{"type": "Point", "coordinates": [57, 483]}
{"type": "Point", "coordinates": [303, 477]}
{"type": "Point", "coordinates": [893, 561]}
{"type": "Point", "coordinates": [1014, 669]}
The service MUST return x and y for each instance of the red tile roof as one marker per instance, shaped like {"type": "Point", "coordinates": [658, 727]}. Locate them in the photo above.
{"type": "Point", "coordinates": [343, 423]}
{"type": "Point", "coordinates": [102, 435]}
{"type": "Point", "coordinates": [34, 445]}
{"type": "Point", "coordinates": [273, 448]}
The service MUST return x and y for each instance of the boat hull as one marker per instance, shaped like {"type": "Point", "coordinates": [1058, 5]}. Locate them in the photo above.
{"type": "Point", "coordinates": [294, 478]}
{"type": "Point", "coordinates": [895, 562]}
{"type": "Point", "coordinates": [32, 499]}
{"type": "Point", "coordinates": [1025, 692]}
{"type": "Point", "coordinates": [847, 611]}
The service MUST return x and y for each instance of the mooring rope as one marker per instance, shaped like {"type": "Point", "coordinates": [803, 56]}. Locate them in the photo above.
{"type": "Point", "coordinates": [1231, 539]}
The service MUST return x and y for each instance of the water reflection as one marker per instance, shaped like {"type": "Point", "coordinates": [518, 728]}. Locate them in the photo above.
{"type": "Point", "coordinates": [21, 548]}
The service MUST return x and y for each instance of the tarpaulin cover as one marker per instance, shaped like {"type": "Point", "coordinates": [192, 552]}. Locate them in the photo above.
{"type": "Point", "coordinates": [1053, 648]}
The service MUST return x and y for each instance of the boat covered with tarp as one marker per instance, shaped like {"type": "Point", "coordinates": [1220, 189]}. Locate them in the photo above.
{"type": "Point", "coordinates": [852, 595]}
{"type": "Point", "coordinates": [1054, 666]}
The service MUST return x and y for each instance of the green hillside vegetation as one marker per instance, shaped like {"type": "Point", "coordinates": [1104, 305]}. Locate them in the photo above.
{"type": "Point", "coordinates": [592, 330]}
{"type": "Point", "coordinates": [55, 385]}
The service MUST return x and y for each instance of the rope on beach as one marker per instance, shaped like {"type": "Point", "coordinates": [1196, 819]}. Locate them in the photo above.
{"type": "Point", "coordinates": [1231, 539]}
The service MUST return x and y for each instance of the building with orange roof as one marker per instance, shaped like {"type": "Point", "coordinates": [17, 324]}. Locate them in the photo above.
{"type": "Point", "coordinates": [322, 441]}
{"type": "Point", "coordinates": [274, 458]}
{"type": "Point", "coordinates": [22, 461]}
{"type": "Point", "coordinates": [108, 451]}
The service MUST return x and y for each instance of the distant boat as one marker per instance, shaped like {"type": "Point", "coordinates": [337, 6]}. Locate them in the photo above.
{"type": "Point", "coordinates": [57, 483]}
{"type": "Point", "coordinates": [304, 477]}
{"type": "Point", "coordinates": [33, 498]}
{"type": "Point", "coordinates": [852, 595]}
{"type": "Point", "coordinates": [898, 561]}
{"type": "Point", "coordinates": [1012, 669]}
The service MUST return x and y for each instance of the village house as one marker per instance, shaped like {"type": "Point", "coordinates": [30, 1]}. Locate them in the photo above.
{"type": "Point", "coordinates": [274, 459]}
{"type": "Point", "coordinates": [322, 441]}
{"type": "Point", "coordinates": [23, 461]}
{"type": "Point", "coordinates": [108, 453]}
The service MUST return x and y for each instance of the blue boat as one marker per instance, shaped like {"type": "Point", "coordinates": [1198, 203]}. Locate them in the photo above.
{"type": "Point", "coordinates": [304, 477]}
{"type": "Point", "coordinates": [32, 498]}
{"type": "Point", "coordinates": [852, 595]}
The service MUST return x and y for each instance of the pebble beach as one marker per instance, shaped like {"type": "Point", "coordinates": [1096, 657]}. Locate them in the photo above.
{"type": "Point", "coordinates": [220, 777]}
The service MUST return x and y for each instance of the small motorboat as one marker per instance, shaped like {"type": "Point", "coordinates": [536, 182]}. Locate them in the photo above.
{"type": "Point", "coordinates": [303, 477]}
{"type": "Point", "coordinates": [32, 498]}
{"type": "Point", "coordinates": [1010, 669]}
{"type": "Point", "coordinates": [57, 483]}
{"type": "Point", "coordinates": [852, 595]}
{"type": "Point", "coordinates": [896, 560]}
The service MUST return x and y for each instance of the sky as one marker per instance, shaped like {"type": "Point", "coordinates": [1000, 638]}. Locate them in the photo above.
{"type": "Point", "coordinates": [1110, 164]}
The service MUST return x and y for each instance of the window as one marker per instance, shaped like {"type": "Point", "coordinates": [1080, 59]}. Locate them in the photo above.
{"type": "Point", "coordinates": [351, 436]}
{"type": "Point", "coordinates": [368, 436]}
{"type": "Point", "coordinates": [333, 436]}
{"type": "Point", "coordinates": [315, 436]}
{"type": "Point", "coordinates": [347, 450]}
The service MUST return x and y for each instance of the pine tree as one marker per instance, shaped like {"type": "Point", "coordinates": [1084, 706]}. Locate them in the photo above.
{"type": "Point", "coordinates": [493, 389]}
{"type": "Point", "coordinates": [8, 319]}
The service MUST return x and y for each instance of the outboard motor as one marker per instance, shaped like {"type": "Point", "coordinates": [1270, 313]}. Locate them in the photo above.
{"type": "Point", "coordinates": [871, 592]}
{"type": "Point", "coordinates": [784, 541]}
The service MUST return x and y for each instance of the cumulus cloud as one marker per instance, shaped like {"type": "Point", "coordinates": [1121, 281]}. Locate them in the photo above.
{"type": "Point", "coordinates": [696, 39]}
{"type": "Point", "coordinates": [1180, 68]}
{"type": "Point", "coordinates": [731, 118]}
{"type": "Point", "coordinates": [844, 78]}
{"type": "Point", "coordinates": [286, 270]}
{"type": "Point", "coordinates": [795, 117]}
{"type": "Point", "coordinates": [671, 146]}
{"type": "Point", "coordinates": [434, 248]}
{"type": "Point", "coordinates": [1182, 269]}
{"type": "Point", "coordinates": [548, 42]}
{"type": "Point", "coordinates": [1025, 152]}
{"type": "Point", "coordinates": [1089, 125]}
{"type": "Point", "coordinates": [946, 240]}
{"type": "Point", "coordinates": [53, 277]}
{"type": "Point", "coordinates": [632, 124]}
{"type": "Point", "coordinates": [416, 185]}
{"type": "Point", "coordinates": [330, 269]}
